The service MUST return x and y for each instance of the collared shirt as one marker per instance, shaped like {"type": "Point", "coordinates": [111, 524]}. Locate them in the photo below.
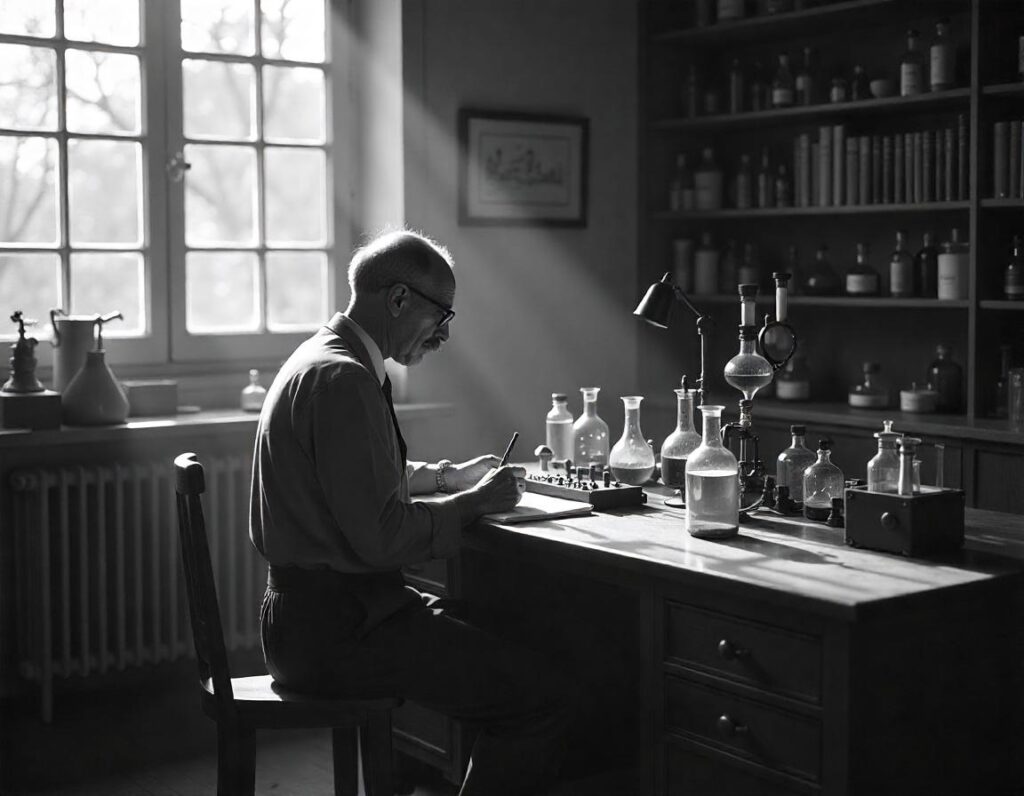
{"type": "Point", "coordinates": [329, 488]}
{"type": "Point", "coordinates": [342, 322]}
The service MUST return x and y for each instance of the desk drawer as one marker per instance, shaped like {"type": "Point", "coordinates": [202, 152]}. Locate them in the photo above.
{"type": "Point", "coordinates": [765, 735]}
{"type": "Point", "coordinates": [690, 772]}
{"type": "Point", "coordinates": [763, 656]}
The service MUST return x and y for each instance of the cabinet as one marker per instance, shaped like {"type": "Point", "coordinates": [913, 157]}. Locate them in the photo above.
{"type": "Point", "coordinates": [865, 199]}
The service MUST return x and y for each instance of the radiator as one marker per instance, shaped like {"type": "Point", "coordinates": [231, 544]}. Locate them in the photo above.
{"type": "Point", "coordinates": [100, 583]}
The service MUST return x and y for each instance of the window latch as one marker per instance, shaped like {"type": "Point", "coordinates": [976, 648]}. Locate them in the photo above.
{"type": "Point", "coordinates": [177, 166]}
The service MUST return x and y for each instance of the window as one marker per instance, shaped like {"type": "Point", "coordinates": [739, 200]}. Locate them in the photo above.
{"type": "Point", "coordinates": [172, 160]}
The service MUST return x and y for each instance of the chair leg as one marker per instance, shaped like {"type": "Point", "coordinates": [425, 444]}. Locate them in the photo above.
{"type": "Point", "coordinates": [377, 754]}
{"type": "Point", "coordinates": [345, 751]}
{"type": "Point", "coordinates": [236, 760]}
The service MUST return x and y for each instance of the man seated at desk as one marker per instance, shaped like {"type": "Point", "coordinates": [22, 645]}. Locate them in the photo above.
{"type": "Point", "coordinates": [331, 514]}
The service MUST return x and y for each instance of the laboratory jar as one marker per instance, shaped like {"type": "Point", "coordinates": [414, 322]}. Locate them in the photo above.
{"type": "Point", "coordinates": [822, 482]}
{"type": "Point", "coordinates": [791, 463]}
{"type": "Point", "coordinates": [678, 445]}
{"type": "Point", "coordinates": [558, 427]}
{"type": "Point", "coordinates": [590, 432]}
{"type": "Point", "coordinates": [884, 468]}
{"type": "Point", "coordinates": [632, 460]}
{"type": "Point", "coordinates": [712, 483]}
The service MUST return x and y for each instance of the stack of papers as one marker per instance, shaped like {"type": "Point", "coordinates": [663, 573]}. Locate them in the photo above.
{"type": "Point", "coordinates": [535, 507]}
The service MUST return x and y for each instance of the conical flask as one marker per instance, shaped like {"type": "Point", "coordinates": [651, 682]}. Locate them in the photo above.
{"type": "Point", "coordinates": [712, 483]}
{"type": "Point", "coordinates": [632, 460]}
{"type": "Point", "coordinates": [94, 397]}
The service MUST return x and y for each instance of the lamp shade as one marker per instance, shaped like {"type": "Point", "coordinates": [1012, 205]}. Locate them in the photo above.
{"type": "Point", "coordinates": [654, 307]}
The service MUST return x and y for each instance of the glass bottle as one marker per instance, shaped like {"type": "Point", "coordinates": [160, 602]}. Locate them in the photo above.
{"type": "Point", "coordinates": [765, 181]}
{"type": "Point", "coordinates": [783, 187]}
{"type": "Point", "coordinates": [678, 445]}
{"type": "Point", "coordinates": [793, 383]}
{"type": "Point", "coordinates": [821, 279]}
{"type": "Point", "coordinates": [253, 394]}
{"type": "Point", "coordinates": [558, 427]}
{"type": "Point", "coordinates": [884, 468]}
{"type": "Point", "coordinates": [926, 265]}
{"type": "Point", "coordinates": [859, 84]}
{"type": "Point", "coordinates": [804, 82]}
{"type": "Point", "coordinates": [1002, 392]}
{"type": "Point", "coordinates": [1013, 277]}
{"type": "Point", "coordinates": [712, 483]}
{"type": "Point", "coordinates": [749, 272]}
{"type": "Point", "coordinates": [953, 262]}
{"type": "Point", "coordinates": [908, 484]}
{"type": "Point", "coordinates": [822, 482]}
{"type": "Point", "coordinates": [631, 459]}
{"type": "Point", "coordinates": [705, 267]}
{"type": "Point", "coordinates": [681, 193]}
{"type": "Point", "coordinates": [901, 269]}
{"type": "Point", "coordinates": [727, 269]}
{"type": "Point", "coordinates": [911, 67]}
{"type": "Point", "coordinates": [707, 181]}
{"type": "Point", "coordinates": [837, 93]}
{"type": "Point", "coordinates": [946, 378]}
{"type": "Point", "coordinates": [736, 87]}
{"type": "Point", "coordinates": [862, 279]}
{"type": "Point", "coordinates": [757, 88]}
{"type": "Point", "coordinates": [942, 74]}
{"type": "Point", "coordinates": [870, 394]}
{"type": "Point", "coordinates": [590, 432]}
{"type": "Point", "coordinates": [783, 86]}
{"type": "Point", "coordinates": [744, 184]}
{"type": "Point", "coordinates": [790, 466]}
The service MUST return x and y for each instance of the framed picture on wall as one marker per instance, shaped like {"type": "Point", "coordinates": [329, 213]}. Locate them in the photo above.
{"type": "Point", "coordinates": [522, 168]}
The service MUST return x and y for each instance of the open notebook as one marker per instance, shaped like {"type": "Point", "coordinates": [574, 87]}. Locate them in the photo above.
{"type": "Point", "coordinates": [535, 507]}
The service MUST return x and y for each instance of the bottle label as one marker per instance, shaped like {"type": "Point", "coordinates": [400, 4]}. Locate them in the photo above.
{"type": "Point", "coordinates": [782, 97]}
{"type": "Point", "coordinates": [910, 79]}
{"type": "Point", "coordinates": [900, 280]}
{"type": "Point", "coordinates": [951, 273]}
{"type": "Point", "coordinates": [941, 66]}
{"type": "Point", "coordinates": [862, 284]}
{"type": "Point", "coordinates": [1014, 289]}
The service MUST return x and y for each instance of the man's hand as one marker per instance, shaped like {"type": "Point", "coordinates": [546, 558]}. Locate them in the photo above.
{"type": "Point", "coordinates": [499, 490]}
{"type": "Point", "coordinates": [461, 477]}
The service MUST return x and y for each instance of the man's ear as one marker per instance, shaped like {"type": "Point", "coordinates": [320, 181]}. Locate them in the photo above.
{"type": "Point", "coordinates": [396, 298]}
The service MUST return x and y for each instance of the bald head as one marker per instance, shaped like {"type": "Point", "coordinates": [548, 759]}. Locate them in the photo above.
{"type": "Point", "coordinates": [399, 257]}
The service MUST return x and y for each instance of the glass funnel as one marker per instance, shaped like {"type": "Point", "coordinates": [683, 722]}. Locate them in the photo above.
{"type": "Point", "coordinates": [712, 483]}
{"type": "Point", "coordinates": [632, 460]}
{"type": "Point", "coordinates": [678, 446]}
{"type": "Point", "coordinates": [748, 371]}
{"type": "Point", "coordinates": [590, 432]}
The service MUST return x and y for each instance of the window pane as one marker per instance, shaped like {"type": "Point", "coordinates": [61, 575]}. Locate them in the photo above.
{"type": "Point", "coordinates": [218, 26]}
{"type": "Point", "coordinates": [293, 103]}
{"type": "Point", "coordinates": [296, 289]}
{"type": "Point", "coordinates": [28, 87]}
{"type": "Point", "coordinates": [108, 281]}
{"type": "Point", "coordinates": [293, 29]}
{"type": "Point", "coordinates": [104, 186]}
{"type": "Point", "coordinates": [219, 99]}
{"type": "Point", "coordinates": [28, 17]}
{"type": "Point", "coordinates": [103, 92]}
{"type": "Point", "coordinates": [30, 283]}
{"type": "Point", "coordinates": [295, 195]}
{"type": "Point", "coordinates": [220, 195]}
{"type": "Point", "coordinates": [108, 21]}
{"type": "Point", "coordinates": [28, 192]}
{"type": "Point", "coordinates": [221, 292]}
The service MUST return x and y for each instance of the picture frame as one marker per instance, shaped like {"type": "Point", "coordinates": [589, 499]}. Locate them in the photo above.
{"type": "Point", "coordinates": [522, 168]}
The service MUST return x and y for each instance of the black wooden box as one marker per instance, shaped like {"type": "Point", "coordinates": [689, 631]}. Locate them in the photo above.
{"type": "Point", "coordinates": [931, 521]}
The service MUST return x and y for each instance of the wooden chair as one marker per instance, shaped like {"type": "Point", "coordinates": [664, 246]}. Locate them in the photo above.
{"type": "Point", "coordinates": [241, 705]}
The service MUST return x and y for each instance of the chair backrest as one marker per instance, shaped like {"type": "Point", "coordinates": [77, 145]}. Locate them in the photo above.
{"type": "Point", "coordinates": [207, 633]}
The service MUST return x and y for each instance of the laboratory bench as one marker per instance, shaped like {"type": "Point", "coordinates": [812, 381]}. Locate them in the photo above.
{"type": "Point", "coordinates": [780, 661]}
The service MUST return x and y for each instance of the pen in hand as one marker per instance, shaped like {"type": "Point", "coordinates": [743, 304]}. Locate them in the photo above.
{"type": "Point", "coordinates": [508, 450]}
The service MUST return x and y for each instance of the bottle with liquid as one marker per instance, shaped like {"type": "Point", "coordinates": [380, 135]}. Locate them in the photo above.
{"type": "Point", "coordinates": [631, 459]}
{"type": "Point", "coordinates": [911, 67]}
{"type": "Point", "coordinates": [946, 377]}
{"type": "Point", "coordinates": [736, 87]}
{"type": "Point", "coordinates": [705, 267]}
{"type": "Point", "coordinates": [253, 394]}
{"type": "Point", "coordinates": [758, 88]}
{"type": "Point", "coordinates": [822, 482]}
{"type": "Point", "coordinates": [870, 394]}
{"type": "Point", "coordinates": [901, 269]}
{"type": "Point", "coordinates": [728, 268]}
{"type": "Point", "coordinates": [926, 266]}
{"type": "Point", "coordinates": [862, 279]}
{"type": "Point", "coordinates": [953, 262]}
{"type": "Point", "coordinates": [748, 371]}
{"type": "Point", "coordinates": [590, 432]}
{"type": "Point", "coordinates": [678, 445]}
{"type": "Point", "coordinates": [712, 483]}
{"type": "Point", "coordinates": [794, 382]}
{"type": "Point", "coordinates": [707, 180]}
{"type": "Point", "coordinates": [837, 92]}
{"type": "Point", "coordinates": [1013, 276]}
{"type": "Point", "coordinates": [859, 84]}
{"type": "Point", "coordinates": [804, 82]}
{"type": "Point", "coordinates": [744, 184]}
{"type": "Point", "coordinates": [783, 187]}
{"type": "Point", "coordinates": [884, 468]}
{"type": "Point", "coordinates": [792, 462]}
{"type": "Point", "coordinates": [1000, 404]}
{"type": "Point", "coordinates": [783, 85]}
{"type": "Point", "coordinates": [821, 279]}
{"type": "Point", "coordinates": [681, 191]}
{"type": "Point", "coordinates": [943, 58]}
{"type": "Point", "coordinates": [765, 181]}
{"type": "Point", "coordinates": [749, 272]}
{"type": "Point", "coordinates": [558, 427]}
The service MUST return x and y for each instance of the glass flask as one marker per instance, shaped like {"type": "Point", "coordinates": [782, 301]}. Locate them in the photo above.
{"type": "Point", "coordinates": [678, 445]}
{"type": "Point", "coordinates": [869, 394]}
{"type": "Point", "coordinates": [884, 467]}
{"type": "Point", "coordinates": [946, 378]}
{"type": "Point", "coordinates": [821, 279]}
{"type": "Point", "coordinates": [253, 394]}
{"type": "Point", "coordinates": [790, 466]}
{"type": "Point", "coordinates": [862, 279]}
{"type": "Point", "coordinates": [822, 482]}
{"type": "Point", "coordinates": [590, 432]}
{"type": "Point", "coordinates": [712, 483]}
{"type": "Point", "coordinates": [558, 427]}
{"type": "Point", "coordinates": [632, 460]}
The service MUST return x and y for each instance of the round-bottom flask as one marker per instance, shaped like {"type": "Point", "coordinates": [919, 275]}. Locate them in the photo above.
{"type": "Point", "coordinates": [712, 483]}
{"type": "Point", "coordinates": [632, 460]}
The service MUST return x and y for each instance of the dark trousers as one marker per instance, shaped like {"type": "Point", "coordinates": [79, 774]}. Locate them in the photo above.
{"type": "Point", "coordinates": [321, 634]}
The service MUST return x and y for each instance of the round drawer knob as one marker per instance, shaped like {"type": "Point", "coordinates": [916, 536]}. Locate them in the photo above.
{"type": "Point", "coordinates": [729, 651]}
{"type": "Point", "coordinates": [890, 521]}
{"type": "Point", "coordinates": [728, 727]}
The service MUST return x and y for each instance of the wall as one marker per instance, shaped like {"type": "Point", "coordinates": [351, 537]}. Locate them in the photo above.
{"type": "Point", "coordinates": [539, 309]}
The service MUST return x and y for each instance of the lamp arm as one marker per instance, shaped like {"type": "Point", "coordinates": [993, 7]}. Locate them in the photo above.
{"type": "Point", "coordinates": [681, 296]}
{"type": "Point", "coordinates": [703, 323]}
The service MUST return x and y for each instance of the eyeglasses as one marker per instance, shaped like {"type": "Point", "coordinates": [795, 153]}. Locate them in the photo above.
{"type": "Point", "coordinates": [447, 313]}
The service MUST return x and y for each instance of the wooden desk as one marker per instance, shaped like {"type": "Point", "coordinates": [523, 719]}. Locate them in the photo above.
{"type": "Point", "coordinates": [778, 662]}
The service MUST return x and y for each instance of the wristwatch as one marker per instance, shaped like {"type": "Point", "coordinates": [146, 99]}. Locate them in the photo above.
{"type": "Point", "coordinates": [442, 483]}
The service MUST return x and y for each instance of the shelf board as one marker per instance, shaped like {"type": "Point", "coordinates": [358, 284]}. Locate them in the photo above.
{"type": "Point", "coordinates": [841, 210]}
{"type": "Point", "coordinates": [1004, 89]}
{"type": "Point", "coordinates": [877, 302]}
{"type": "Point", "coordinates": [1011, 306]}
{"type": "Point", "coordinates": [1009, 203]}
{"type": "Point", "coordinates": [803, 22]}
{"type": "Point", "coordinates": [802, 113]}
